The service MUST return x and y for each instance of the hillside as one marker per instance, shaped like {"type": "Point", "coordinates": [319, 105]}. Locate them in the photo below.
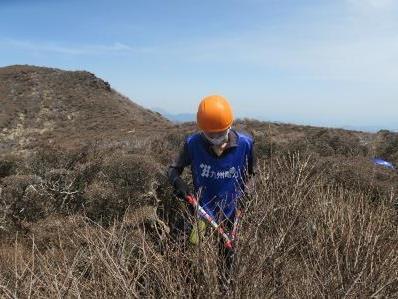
{"type": "Point", "coordinates": [86, 209]}
{"type": "Point", "coordinates": [68, 108]}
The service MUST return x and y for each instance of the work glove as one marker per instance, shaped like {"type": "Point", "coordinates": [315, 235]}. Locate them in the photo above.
{"type": "Point", "coordinates": [197, 232]}
{"type": "Point", "coordinates": [181, 189]}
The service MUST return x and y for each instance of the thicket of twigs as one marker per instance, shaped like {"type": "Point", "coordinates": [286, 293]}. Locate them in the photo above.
{"type": "Point", "coordinates": [303, 235]}
{"type": "Point", "coordinates": [101, 220]}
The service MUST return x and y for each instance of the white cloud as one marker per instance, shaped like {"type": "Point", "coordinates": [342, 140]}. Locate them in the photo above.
{"type": "Point", "coordinates": [353, 48]}
{"type": "Point", "coordinates": [359, 59]}
{"type": "Point", "coordinates": [86, 49]}
{"type": "Point", "coordinates": [375, 4]}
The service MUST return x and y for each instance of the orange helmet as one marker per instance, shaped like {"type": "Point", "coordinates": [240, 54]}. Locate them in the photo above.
{"type": "Point", "coordinates": [214, 114]}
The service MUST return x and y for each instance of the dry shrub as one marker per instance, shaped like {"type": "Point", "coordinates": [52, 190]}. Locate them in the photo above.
{"type": "Point", "coordinates": [40, 162]}
{"type": "Point", "coordinates": [124, 181]}
{"type": "Point", "coordinates": [54, 157]}
{"type": "Point", "coordinates": [360, 174]}
{"type": "Point", "coordinates": [103, 186]}
{"type": "Point", "coordinates": [162, 148]}
{"type": "Point", "coordinates": [87, 172]}
{"type": "Point", "coordinates": [387, 145]}
{"type": "Point", "coordinates": [30, 197]}
{"type": "Point", "coordinates": [265, 147]}
{"type": "Point", "coordinates": [64, 188]}
{"type": "Point", "coordinates": [56, 231]}
{"type": "Point", "coordinates": [352, 251]}
{"type": "Point", "coordinates": [7, 167]}
{"type": "Point", "coordinates": [22, 198]}
{"type": "Point", "coordinates": [133, 173]}
{"type": "Point", "coordinates": [300, 237]}
{"type": "Point", "coordinates": [15, 258]}
{"type": "Point", "coordinates": [319, 239]}
{"type": "Point", "coordinates": [121, 262]}
{"type": "Point", "coordinates": [102, 202]}
{"type": "Point", "coordinates": [327, 142]}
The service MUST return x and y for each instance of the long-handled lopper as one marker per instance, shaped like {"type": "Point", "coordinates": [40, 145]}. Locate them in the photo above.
{"type": "Point", "coordinates": [228, 241]}
{"type": "Point", "coordinates": [238, 215]}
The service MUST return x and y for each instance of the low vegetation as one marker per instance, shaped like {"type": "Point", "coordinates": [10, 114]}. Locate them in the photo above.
{"type": "Point", "coordinates": [102, 223]}
{"type": "Point", "coordinates": [93, 215]}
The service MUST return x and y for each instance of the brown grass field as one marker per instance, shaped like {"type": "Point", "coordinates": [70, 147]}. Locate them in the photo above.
{"type": "Point", "coordinates": [91, 214]}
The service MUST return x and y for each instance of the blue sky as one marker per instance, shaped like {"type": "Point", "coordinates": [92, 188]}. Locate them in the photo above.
{"type": "Point", "coordinates": [319, 62]}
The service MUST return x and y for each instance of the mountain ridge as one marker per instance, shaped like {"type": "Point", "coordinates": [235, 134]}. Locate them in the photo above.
{"type": "Point", "coordinates": [48, 105]}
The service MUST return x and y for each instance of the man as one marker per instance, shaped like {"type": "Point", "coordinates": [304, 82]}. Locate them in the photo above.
{"type": "Point", "coordinates": [221, 160]}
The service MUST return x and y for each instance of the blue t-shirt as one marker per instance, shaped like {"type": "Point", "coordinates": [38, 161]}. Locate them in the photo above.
{"type": "Point", "coordinates": [219, 181]}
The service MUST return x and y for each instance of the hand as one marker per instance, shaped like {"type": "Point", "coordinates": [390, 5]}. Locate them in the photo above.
{"type": "Point", "coordinates": [181, 189]}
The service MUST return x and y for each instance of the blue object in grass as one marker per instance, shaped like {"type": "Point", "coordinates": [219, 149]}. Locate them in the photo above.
{"type": "Point", "coordinates": [381, 162]}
